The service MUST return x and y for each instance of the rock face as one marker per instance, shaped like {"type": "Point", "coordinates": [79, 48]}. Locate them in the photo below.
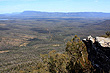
{"type": "Point", "coordinates": [99, 53]}
{"type": "Point", "coordinates": [104, 42]}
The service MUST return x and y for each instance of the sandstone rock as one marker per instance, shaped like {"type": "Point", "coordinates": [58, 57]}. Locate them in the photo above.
{"type": "Point", "coordinates": [104, 42]}
{"type": "Point", "coordinates": [99, 53]}
{"type": "Point", "coordinates": [91, 38]}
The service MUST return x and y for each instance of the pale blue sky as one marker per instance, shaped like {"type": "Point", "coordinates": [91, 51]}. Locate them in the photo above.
{"type": "Point", "coordinates": [9, 6]}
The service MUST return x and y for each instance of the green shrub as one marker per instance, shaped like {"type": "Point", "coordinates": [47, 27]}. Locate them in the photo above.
{"type": "Point", "coordinates": [108, 33]}
{"type": "Point", "coordinates": [73, 60]}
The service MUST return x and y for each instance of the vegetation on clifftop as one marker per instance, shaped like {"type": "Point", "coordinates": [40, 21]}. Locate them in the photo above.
{"type": "Point", "coordinates": [107, 34]}
{"type": "Point", "coordinates": [73, 60]}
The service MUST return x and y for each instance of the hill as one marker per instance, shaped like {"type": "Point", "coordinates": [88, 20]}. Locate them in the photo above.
{"type": "Point", "coordinates": [105, 23]}
{"type": "Point", "coordinates": [39, 14]}
{"type": "Point", "coordinates": [102, 25]}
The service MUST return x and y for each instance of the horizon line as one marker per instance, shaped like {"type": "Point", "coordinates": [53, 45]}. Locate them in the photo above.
{"type": "Point", "coordinates": [55, 12]}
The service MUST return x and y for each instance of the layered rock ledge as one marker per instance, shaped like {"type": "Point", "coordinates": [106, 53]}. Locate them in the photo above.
{"type": "Point", "coordinates": [99, 53]}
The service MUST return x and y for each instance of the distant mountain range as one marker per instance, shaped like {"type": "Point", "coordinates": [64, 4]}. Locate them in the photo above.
{"type": "Point", "coordinates": [38, 14]}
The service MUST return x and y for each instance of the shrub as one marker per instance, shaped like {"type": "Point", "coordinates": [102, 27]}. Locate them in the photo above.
{"type": "Point", "coordinates": [73, 60]}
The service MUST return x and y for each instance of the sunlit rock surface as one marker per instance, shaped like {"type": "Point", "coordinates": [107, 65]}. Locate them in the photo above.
{"type": "Point", "coordinates": [104, 42]}
{"type": "Point", "coordinates": [99, 53]}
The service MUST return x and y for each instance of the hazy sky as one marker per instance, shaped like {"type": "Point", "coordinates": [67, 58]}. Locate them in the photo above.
{"type": "Point", "coordinates": [9, 6]}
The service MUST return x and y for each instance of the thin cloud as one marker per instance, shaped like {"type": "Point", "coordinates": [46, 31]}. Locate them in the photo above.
{"type": "Point", "coordinates": [96, 0]}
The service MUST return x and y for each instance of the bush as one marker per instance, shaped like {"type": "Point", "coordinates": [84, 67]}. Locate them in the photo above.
{"type": "Point", "coordinates": [108, 33]}
{"type": "Point", "coordinates": [73, 60]}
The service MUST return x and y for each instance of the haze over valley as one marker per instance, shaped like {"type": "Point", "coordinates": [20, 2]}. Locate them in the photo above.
{"type": "Point", "coordinates": [30, 29]}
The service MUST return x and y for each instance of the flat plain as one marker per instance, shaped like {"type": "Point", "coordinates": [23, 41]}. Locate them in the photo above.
{"type": "Point", "coordinates": [23, 40]}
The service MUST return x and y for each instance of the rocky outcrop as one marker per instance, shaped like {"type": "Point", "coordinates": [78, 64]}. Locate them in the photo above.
{"type": "Point", "coordinates": [99, 53]}
{"type": "Point", "coordinates": [104, 42]}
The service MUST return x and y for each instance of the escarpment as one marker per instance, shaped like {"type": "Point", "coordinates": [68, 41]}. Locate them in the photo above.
{"type": "Point", "coordinates": [99, 53]}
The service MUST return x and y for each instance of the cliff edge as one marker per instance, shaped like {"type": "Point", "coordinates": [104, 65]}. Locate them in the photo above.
{"type": "Point", "coordinates": [99, 53]}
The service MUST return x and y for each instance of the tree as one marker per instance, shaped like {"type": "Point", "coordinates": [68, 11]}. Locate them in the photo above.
{"type": "Point", "coordinates": [73, 60]}
{"type": "Point", "coordinates": [108, 33]}
{"type": "Point", "coordinates": [79, 62]}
